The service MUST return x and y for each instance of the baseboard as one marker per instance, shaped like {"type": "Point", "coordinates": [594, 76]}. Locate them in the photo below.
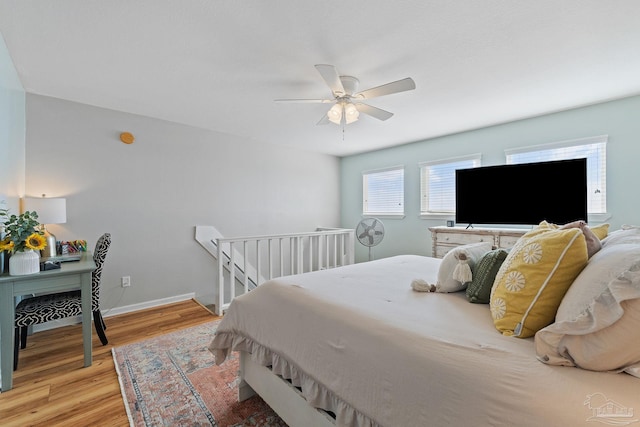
{"type": "Point", "coordinates": [149, 304]}
{"type": "Point", "coordinates": [115, 311]}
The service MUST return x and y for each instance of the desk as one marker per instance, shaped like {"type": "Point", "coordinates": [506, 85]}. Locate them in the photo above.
{"type": "Point", "coordinates": [72, 275]}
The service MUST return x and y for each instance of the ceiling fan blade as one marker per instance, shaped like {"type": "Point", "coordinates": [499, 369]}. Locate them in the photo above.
{"type": "Point", "coordinates": [324, 120]}
{"type": "Point", "coordinates": [331, 77]}
{"type": "Point", "coordinates": [388, 89]}
{"type": "Point", "coordinates": [307, 101]}
{"type": "Point", "coordinates": [375, 112]}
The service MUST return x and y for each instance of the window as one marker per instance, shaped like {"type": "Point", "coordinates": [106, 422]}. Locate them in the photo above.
{"type": "Point", "coordinates": [438, 184]}
{"type": "Point", "coordinates": [594, 149]}
{"type": "Point", "coordinates": [383, 191]}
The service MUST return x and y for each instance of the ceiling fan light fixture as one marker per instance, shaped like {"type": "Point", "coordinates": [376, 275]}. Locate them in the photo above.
{"type": "Point", "coordinates": [351, 113]}
{"type": "Point", "coordinates": [335, 114]}
{"type": "Point", "coordinates": [347, 100]}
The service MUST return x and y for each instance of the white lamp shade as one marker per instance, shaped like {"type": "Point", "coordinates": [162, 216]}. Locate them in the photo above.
{"type": "Point", "coordinates": [50, 210]}
{"type": "Point", "coordinates": [335, 114]}
{"type": "Point", "coordinates": [351, 113]}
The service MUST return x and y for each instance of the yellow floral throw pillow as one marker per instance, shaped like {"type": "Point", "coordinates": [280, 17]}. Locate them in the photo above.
{"type": "Point", "coordinates": [534, 277]}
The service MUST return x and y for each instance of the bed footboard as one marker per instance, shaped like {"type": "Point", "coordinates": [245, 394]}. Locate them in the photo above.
{"type": "Point", "coordinates": [285, 399]}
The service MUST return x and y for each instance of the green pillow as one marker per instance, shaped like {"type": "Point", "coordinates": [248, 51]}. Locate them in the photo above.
{"type": "Point", "coordinates": [484, 274]}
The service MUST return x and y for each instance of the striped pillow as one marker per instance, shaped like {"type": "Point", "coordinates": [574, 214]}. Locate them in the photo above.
{"type": "Point", "coordinates": [484, 274]}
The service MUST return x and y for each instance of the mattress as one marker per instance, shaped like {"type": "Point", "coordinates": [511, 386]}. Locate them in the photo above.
{"type": "Point", "coordinates": [362, 344]}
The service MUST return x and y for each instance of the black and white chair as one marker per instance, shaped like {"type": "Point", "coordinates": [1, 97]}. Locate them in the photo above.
{"type": "Point", "coordinates": [48, 307]}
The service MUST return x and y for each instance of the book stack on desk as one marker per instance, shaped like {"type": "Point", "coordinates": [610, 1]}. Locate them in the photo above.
{"type": "Point", "coordinates": [64, 258]}
{"type": "Point", "coordinates": [49, 265]}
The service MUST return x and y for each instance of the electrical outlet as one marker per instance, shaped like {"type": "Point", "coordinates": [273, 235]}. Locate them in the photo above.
{"type": "Point", "coordinates": [125, 281]}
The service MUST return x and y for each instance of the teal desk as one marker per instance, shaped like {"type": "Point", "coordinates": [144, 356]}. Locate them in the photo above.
{"type": "Point", "coordinates": [72, 275]}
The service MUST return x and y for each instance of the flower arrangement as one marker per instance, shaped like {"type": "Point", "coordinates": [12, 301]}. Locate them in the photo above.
{"type": "Point", "coordinates": [22, 232]}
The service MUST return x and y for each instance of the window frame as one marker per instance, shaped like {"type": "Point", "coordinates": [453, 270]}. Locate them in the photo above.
{"type": "Point", "coordinates": [365, 193]}
{"type": "Point", "coordinates": [425, 183]}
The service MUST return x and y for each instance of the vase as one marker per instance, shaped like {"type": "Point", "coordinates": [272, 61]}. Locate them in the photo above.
{"type": "Point", "coordinates": [24, 262]}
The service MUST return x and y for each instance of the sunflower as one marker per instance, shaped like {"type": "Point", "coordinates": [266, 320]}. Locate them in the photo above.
{"type": "Point", "coordinates": [6, 244]}
{"type": "Point", "coordinates": [36, 241]}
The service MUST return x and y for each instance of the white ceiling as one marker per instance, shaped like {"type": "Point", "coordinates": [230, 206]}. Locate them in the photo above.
{"type": "Point", "coordinates": [220, 64]}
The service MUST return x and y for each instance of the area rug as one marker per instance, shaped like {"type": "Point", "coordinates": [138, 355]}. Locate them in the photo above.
{"type": "Point", "coordinates": [171, 380]}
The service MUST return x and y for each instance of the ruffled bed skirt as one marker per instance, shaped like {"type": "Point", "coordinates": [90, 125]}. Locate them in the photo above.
{"type": "Point", "coordinates": [316, 394]}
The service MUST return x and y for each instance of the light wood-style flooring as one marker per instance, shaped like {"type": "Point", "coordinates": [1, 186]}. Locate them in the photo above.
{"type": "Point", "coordinates": [52, 388]}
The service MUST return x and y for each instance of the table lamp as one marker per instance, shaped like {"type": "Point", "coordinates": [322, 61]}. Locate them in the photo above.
{"type": "Point", "coordinates": [50, 210]}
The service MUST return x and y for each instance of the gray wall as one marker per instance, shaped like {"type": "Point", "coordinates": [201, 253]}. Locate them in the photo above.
{"type": "Point", "coordinates": [619, 119]}
{"type": "Point", "coordinates": [12, 132]}
{"type": "Point", "coordinates": [150, 195]}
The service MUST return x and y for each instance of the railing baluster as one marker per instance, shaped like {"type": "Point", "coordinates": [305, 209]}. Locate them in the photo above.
{"type": "Point", "coordinates": [326, 250]}
{"type": "Point", "coordinates": [269, 256]}
{"type": "Point", "coordinates": [291, 256]}
{"type": "Point", "coordinates": [320, 244]}
{"type": "Point", "coordinates": [257, 262]}
{"type": "Point", "coordinates": [335, 251]}
{"type": "Point", "coordinates": [244, 266]}
{"type": "Point", "coordinates": [232, 271]}
{"type": "Point", "coordinates": [300, 254]}
{"type": "Point", "coordinates": [220, 305]}
{"type": "Point", "coordinates": [281, 257]}
{"type": "Point", "coordinates": [311, 252]}
{"type": "Point", "coordinates": [320, 249]}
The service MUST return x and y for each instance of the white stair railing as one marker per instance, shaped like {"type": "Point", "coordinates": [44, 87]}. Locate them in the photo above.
{"type": "Point", "coordinates": [256, 259]}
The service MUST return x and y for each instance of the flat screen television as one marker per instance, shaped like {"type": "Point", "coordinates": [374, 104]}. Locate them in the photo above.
{"type": "Point", "coordinates": [522, 194]}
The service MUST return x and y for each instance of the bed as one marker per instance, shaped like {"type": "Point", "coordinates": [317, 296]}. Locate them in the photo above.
{"type": "Point", "coordinates": [357, 346]}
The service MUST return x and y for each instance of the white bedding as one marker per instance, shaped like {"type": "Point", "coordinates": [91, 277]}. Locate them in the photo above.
{"type": "Point", "coordinates": [365, 346]}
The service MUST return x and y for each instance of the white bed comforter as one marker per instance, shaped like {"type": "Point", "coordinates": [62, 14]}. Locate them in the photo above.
{"type": "Point", "coordinates": [361, 343]}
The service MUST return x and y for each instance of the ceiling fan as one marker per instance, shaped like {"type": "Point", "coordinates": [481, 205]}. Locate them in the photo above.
{"type": "Point", "coordinates": [347, 101]}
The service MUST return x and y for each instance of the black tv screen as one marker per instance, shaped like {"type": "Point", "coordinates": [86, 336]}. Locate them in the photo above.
{"type": "Point", "coordinates": [523, 194]}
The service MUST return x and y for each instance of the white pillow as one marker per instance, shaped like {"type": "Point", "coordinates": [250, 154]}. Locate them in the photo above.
{"type": "Point", "coordinates": [597, 325]}
{"type": "Point", "coordinates": [474, 251]}
{"type": "Point", "coordinates": [626, 234]}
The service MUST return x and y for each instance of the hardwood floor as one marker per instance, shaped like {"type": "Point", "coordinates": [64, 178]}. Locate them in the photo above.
{"type": "Point", "coordinates": [51, 387]}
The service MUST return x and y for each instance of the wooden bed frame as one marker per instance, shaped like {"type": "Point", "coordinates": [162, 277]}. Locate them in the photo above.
{"type": "Point", "coordinates": [285, 399]}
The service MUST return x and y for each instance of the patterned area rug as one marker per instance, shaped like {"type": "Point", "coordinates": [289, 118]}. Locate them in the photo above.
{"type": "Point", "coordinates": [171, 380]}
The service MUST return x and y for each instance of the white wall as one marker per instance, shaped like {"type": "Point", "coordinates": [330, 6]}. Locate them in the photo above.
{"type": "Point", "coordinates": [149, 195]}
{"type": "Point", "coordinates": [618, 119]}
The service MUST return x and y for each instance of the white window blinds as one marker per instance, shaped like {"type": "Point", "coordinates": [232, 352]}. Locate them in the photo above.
{"type": "Point", "coordinates": [383, 191]}
{"type": "Point", "coordinates": [438, 184]}
{"type": "Point", "coordinates": [594, 149]}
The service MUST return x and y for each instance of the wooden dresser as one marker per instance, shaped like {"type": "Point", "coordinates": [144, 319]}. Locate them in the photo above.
{"type": "Point", "coordinates": [446, 238]}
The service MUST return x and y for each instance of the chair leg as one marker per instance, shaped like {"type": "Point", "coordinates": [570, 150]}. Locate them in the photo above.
{"type": "Point", "coordinates": [104, 325]}
{"type": "Point", "coordinates": [100, 327]}
{"type": "Point", "coordinates": [24, 331]}
{"type": "Point", "coordinates": [16, 348]}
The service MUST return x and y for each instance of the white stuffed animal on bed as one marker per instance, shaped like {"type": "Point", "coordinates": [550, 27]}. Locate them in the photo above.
{"type": "Point", "coordinates": [461, 273]}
